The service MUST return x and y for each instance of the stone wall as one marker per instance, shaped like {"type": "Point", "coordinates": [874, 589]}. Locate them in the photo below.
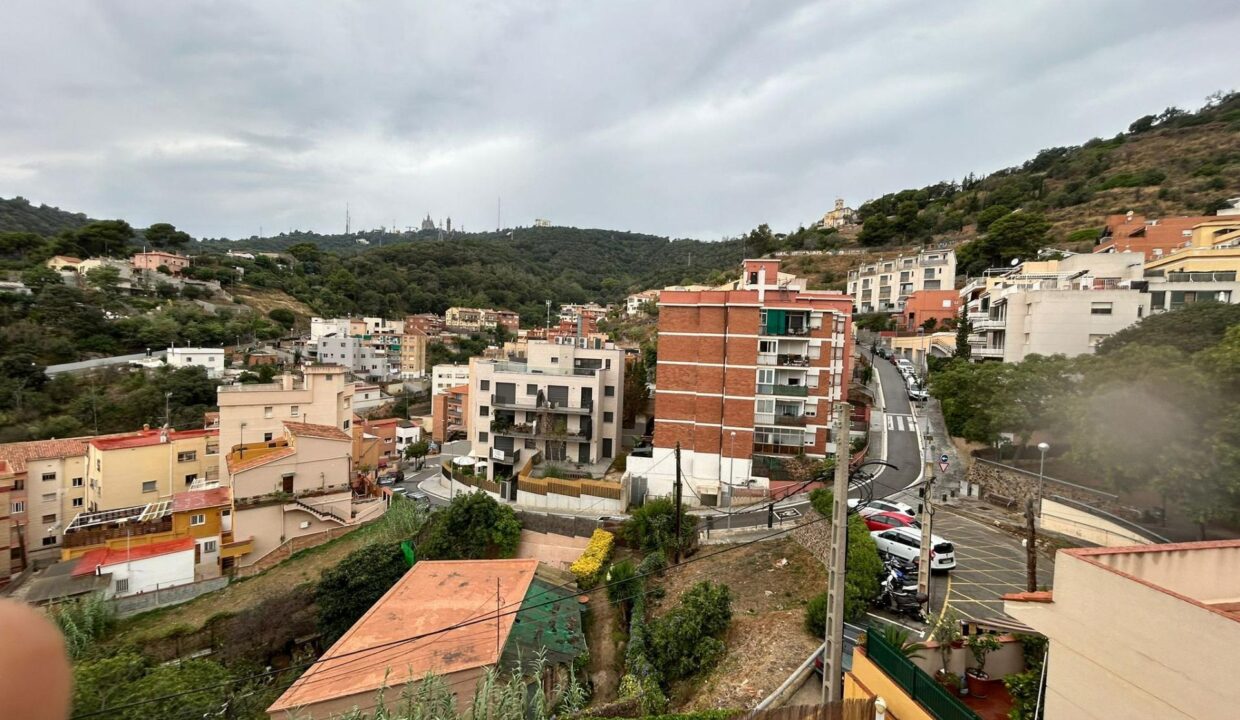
{"type": "Point", "coordinates": [568, 525]}
{"type": "Point", "coordinates": [814, 536]}
{"type": "Point", "coordinates": [134, 604]}
{"type": "Point", "coordinates": [1010, 483]}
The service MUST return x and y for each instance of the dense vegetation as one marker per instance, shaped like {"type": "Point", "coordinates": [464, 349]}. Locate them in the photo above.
{"type": "Point", "coordinates": [1157, 408]}
{"type": "Point", "coordinates": [18, 215]}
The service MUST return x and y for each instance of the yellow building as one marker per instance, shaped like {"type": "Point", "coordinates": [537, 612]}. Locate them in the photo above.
{"type": "Point", "coordinates": [147, 466]}
{"type": "Point", "coordinates": [1212, 247]}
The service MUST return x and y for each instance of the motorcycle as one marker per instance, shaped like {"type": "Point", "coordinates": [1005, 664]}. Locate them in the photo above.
{"type": "Point", "coordinates": [898, 590]}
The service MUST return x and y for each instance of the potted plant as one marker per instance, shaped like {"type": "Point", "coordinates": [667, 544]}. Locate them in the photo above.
{"type": "Point", "coordinates": [979, 680]}
{"type": "Point", "coordinates": [945, 631]}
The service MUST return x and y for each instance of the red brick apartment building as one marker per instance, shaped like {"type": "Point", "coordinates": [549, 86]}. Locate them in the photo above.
{"type": "Point", "coordinates": [1154, 237]}
{"type": "Point", "coordinates": [746, 378]}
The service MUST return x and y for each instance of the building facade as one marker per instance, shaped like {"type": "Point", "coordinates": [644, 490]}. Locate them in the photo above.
{"type": "Point", "coordinates": [1054, 307]}
{"type": "Point", "coordinates": [746, 378]}
{"type": "Point", "coordinates": [838, 217]}
{"type": "Point", "coordinates": [149, 466]}
{"type": "Point", "coordinates": [448, 419]}
{"type": "Point", "coordinates": [257, 413]}
{"type": "Point", "coordinates": [461, 319]}
{"type": "Point", "coordinates": [925, 305]}
{"type": "Point", "coordinates": [563, 402]}
{"type": "Point", "coordinates": [885, 285]}
{"type": "Point", "coordinates": [210, 358]}
{"type": "Point", "coordinates": [634, 303]}
{"type": "Point", "coordinates": [445, 376]}
{"type": "Point", "coordinates": [155, 259]}
{"type": "Point", "coordinates": [1147, 632]}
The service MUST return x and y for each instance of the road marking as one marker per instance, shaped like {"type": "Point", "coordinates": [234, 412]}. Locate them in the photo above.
{"type": "Point", "coordinates": [921, 632]}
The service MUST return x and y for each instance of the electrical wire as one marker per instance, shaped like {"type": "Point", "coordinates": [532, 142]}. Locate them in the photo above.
{"type": "Point", "coordinates": [457, 626]}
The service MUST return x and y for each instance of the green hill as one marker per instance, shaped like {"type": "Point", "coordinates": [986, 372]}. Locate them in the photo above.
{"type": "Point", "coordinates": [18, 215]}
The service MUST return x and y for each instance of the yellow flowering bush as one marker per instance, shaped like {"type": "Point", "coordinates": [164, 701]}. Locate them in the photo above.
{"type": "Point", "coordinates": [589, 567]}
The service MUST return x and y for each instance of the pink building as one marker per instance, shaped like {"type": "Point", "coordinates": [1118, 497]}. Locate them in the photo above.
{"type": "Point", "coordinates": [154, 259]}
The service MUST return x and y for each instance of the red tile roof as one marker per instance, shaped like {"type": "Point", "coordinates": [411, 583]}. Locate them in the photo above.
{"type": "Point", "coordinates": [432, 596]}
{"type": "Point", "coordinates": [258, 460]}
{"type": "Point", "coordinates": [17, 454]}
{"type": "Point", "coordinates": [1041, 596]}
{"type": "Point", "coordinates": [1136, 235]}
{"type": "Point", "coordinates": [145, 438]}
{"type": "Point", "coordinates": [199, 499]}
{"type": "Point", "coordinates": [325, 432]}
{"type": "Point", "coordinates": [104, 557]}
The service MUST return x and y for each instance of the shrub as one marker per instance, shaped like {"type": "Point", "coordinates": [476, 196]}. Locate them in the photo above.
{"type": "Point", "coordinates": [653, 564]}
{"type": "Point", "coordinates": [622, 583]}
{"type": "Point", "coordinates": [860, 579]}
{"type": "Point", "coordinates": [83, 622]}
{"type": "Point", "coordinates": [641, 679]}
{"type": "Point", "coordinates": [822, 500]}
{"type": "Point", "coordinates": [816, 615]}
{"type": "Point", "coordinates": [590, 565]}
{"type": "Point", "coordinates": [473, 526]}
{"type": "Point", "coordinates": [686, 640]}
{"type": "Point", "coordinates": [653, 527]}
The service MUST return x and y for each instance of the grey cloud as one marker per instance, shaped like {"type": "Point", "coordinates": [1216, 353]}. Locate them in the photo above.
{"type": "Point", "coordinates": [696, 118]}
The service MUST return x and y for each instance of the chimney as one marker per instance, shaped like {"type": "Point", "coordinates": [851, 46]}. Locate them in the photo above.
{"type": "Point", "coordinates": [286, 381]}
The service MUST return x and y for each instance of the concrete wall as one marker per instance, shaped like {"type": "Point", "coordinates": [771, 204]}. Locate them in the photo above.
{"type": "Point", "coordinates": [1087, 527]}
{"type": "Point", "coordinates": [271, 525]}
{"type": "Point", "coordinates": [1123, 649]}
{"type": "Point", "coordinates": [147, 574]}
{"type": "Point", "coordinates": [1062, 322]}
{"type": "Point", "coordinates": [318, 464]}
{"type": "Point", "coordinates": [559, 551]}
{"type": "Point", "coordinates": [134, 604]}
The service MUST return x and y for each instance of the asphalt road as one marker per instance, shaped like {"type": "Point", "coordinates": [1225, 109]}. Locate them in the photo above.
{"type": "Point", "coordinates": [433, 463]}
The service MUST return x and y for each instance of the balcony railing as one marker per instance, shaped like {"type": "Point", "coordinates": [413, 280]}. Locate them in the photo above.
{"type": "Point", "coordinates": [776, 449]}
{"type": "Point", "coordinates": [512, 402]}
{"type": "Point", "coordinates": [525, 369]}
{"type": "Point", "coordinates": [527, 430]}
{"type": "Point", "coordinates": [932, 696]}
{"type": "Point", "coordinates": [989, 323]}
{"type": "Point", "coordinates": [991, 352]}
{"type": "Point", "coordinates": [790, 420]}
{"type": "Point", "coordinates": [794, 331]}
{"type": "Point", "coordinates": [784, 390]}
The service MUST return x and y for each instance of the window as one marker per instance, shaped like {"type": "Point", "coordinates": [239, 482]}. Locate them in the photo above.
{"type": "Point", "coordinates": [484, 384]}
{"type": "Point", "coordinates": [294, 410]}
{"type": "Point", "coordinates": [347, 401]}
{"type": "Point", "coordinates": [609, 417]}
{"type": "Point", "coordinates": [199, 519]}
{"type": "Point", "coordinates": [49, 476]}
{"type": "Point", "coordinates": [189, 479]}
{"type": "Point", "coordinates": [484, 410]}
{"type": "Point", "coordinates": [346, 425]}
{"type": "Point", "coordinates": [555, 361]}
{"type": "Point", "coordinates": [766, 346]}
{"type": "Point", "coordinates": [122, 585]}
{"type": "Point", "coordinates": [609, 391]}
{"type": "Point", "coordinates": [148, 486]}
{"type": "Point", "coordinates": [98, 464]}
{"type": "Point", "coordinates": [482, 437]}
{"type": "Point", "coordinates": [51, 540]}
{"type": "Point", "coordinates": [49, 497]}
{"type": "Point", "coordinates": [267, 437]}
{"type": "Point", "coordinates": [19, 507]}
{"type": "Point", "coordinates": [187, 456]}
{"type": "Point", "coordinates": [765, 405]}
{"type": "Point", "coordinates": [77, 502]}
{"type": "Point", "coordinates": [1100, 308]}
{"type": "Point", "coordinates": [209, 546]}
{"type": "Point", "coordinates": [49, 518]}
{"type": "Point", "coordinates": [77, 482]}
{"type": "Point", "coordinates": [531, 389]}
{"type": "Point", "coordinates": [267, 411]}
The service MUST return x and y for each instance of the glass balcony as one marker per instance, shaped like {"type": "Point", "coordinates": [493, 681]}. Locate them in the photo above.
{"type": "Point", "coordinates": [784, 390]}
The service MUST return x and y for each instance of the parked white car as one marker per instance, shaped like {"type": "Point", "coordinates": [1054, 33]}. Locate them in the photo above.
{"type": "Point", "coordinates": [905, 543]}
{"type": "Point", "coordinates": [877, 506]}
{"type": "Point", "coordinates": [917, 394]}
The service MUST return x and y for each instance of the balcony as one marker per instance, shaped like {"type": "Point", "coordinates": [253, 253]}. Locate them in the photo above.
{"type": "Point", "coordinates": [546, 406]}
{"type": "Point", "coordinates": [790, 420]}
{"type": "Point", "coordinates": [777, 449]}
{"type": "Point", "coordinates": [784, 360]}
{"type": "Point", "coordinates": [784, 390]}
{"type": "Point", "coordinates": [988, 352]}
{"type": "Point", "coordinates": [526, 369]}
{"type": "Point", "coordinates": [527, 430]}
{"type": "Point", "coordinates": [977, 317]}
{"type": "Point", "coordinates": [237, 548]}
{"type": "Point", "coordinates": [504, 456]}
{"type": "Point", "coordinates": [988, 323]}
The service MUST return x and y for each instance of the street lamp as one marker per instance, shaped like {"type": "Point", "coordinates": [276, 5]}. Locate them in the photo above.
{"type": "Point", "coordinates": [731, 462]}
{"type": "Point", "coordinates": [1042, 448]}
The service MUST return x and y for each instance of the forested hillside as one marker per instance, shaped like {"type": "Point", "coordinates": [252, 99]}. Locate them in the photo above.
{"type": "Point", "coordinates": [18, 215]}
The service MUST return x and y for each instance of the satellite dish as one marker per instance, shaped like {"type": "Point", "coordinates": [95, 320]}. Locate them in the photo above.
{"type": "Point", "coordinates": [1015, 262]}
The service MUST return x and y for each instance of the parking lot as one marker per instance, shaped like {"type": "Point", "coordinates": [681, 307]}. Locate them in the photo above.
{"type": "Point", "coordinates": [989, 564]}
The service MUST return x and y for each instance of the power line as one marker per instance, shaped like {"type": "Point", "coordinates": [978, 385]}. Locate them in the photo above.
{"type": "Point", "coordinates": [433, 633]}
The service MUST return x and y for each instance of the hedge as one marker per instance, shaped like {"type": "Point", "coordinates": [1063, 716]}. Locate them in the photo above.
{"type": "Point", "coordinates": [589, 567]}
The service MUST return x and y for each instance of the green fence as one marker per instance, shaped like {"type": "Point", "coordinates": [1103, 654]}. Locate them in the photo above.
{"type": "Point", "coordinates": [936, 699]}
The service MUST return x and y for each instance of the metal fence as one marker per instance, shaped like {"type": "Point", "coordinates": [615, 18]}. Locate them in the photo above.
{"type": "Point", "coordinates": [936, 699]}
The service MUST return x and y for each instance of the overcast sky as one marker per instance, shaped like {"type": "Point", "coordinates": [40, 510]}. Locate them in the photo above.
{"type": "Point", "coordinates": [678, 118]}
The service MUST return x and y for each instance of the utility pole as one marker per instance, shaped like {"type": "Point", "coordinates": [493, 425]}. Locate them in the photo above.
{"type": "Point", "coordinates": [833, 649]}
{"type": "Point", "coordinates": [927, 514]}
{"type": "Point", "coordinates": [1031, 548]}
{"type": "Point", "coordinates": [677, 511]}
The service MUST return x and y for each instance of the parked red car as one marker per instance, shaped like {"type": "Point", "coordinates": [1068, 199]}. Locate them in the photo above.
{"type": "Point", "coordinates": [888, 520]}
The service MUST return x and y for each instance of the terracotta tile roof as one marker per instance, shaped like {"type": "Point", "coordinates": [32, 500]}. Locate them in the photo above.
{"type": "Point", "coordinates": [258, 460]}
{"type": "Point", "coordinates": [146, 438]}
{"type": "Point", "coordinates": [17, 454]}
{"type": "Point", "coordinates": [432, 596]}
{"type": "Point", "coordinates": [112, 556]}
{"type": "Point", "coordinates": [1137, 235]}
{"type": "Point", "coordinates": [325, 432]}
{"type": "Point", "coordinates": [1041, 596]}
{"type": "Point", "coordinates": [199, 499]}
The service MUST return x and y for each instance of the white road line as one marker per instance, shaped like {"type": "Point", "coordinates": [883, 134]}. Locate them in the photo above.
{"type": "Point", "coordinates": [921, 632]}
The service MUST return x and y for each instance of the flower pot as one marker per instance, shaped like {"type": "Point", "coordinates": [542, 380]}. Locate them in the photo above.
{"type": "Point", "coordinates": [980, 684]}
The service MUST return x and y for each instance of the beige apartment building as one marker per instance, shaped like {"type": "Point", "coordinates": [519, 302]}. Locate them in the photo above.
{"type": "Point", "coordinates": [883, 286]}
{"type": "Point", "coordinates": [478, 319]}
{"type": "Point", "coordinates": [257, 413]}
{"type": "Point", "coordinates": [1143, 633]}
{"type": "Point", "coordinates": [1054, 307]}
{"type": "Point", "coordinates": [563, 402]}
{"type": "Point", "coordinates": [145, 467]}
{"type": "Point", "coordinates": [298, 484]}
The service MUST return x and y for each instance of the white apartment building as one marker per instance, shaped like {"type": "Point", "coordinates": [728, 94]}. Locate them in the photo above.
{"type": "Point", "coordinates": [360, 356]}
{"type": "Point", "coordinates": [383, 326]}
{"type": "Point", "coordinates": [564, 402]}
{"type": "Point", "coordinates": [210, 358]}
{"type": "Point", "coordinates": [884, 285]}
{"type": "Point", "coordinates": [322, 327]}
{"type": "Point", "coordinates": [1054, 307]}
{"type": "Point", "coordinates": [445, 376]}
{"type": "Point", "coordinates": [634, 303]}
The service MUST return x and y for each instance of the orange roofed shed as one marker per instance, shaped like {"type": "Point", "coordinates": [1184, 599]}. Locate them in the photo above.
{"type": "Point", "coordinates": [449, 605]}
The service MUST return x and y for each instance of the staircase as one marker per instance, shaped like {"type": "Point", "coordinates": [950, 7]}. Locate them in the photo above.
{"type": "Point", "coordinates": [319, 513]}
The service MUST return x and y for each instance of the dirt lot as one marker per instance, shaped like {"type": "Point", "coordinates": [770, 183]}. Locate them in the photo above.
{"type": "Point", "coordinates": [766, 641]}
{"type": "Point", "coordinates": [302, 568]}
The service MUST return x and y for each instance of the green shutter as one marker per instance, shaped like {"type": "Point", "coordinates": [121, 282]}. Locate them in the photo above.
{"type": "Point", "coordinates": [776, 322]}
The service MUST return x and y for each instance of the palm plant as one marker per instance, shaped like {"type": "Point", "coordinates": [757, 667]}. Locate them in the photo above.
{"type": "Point", "coordinates": [900, 639]}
